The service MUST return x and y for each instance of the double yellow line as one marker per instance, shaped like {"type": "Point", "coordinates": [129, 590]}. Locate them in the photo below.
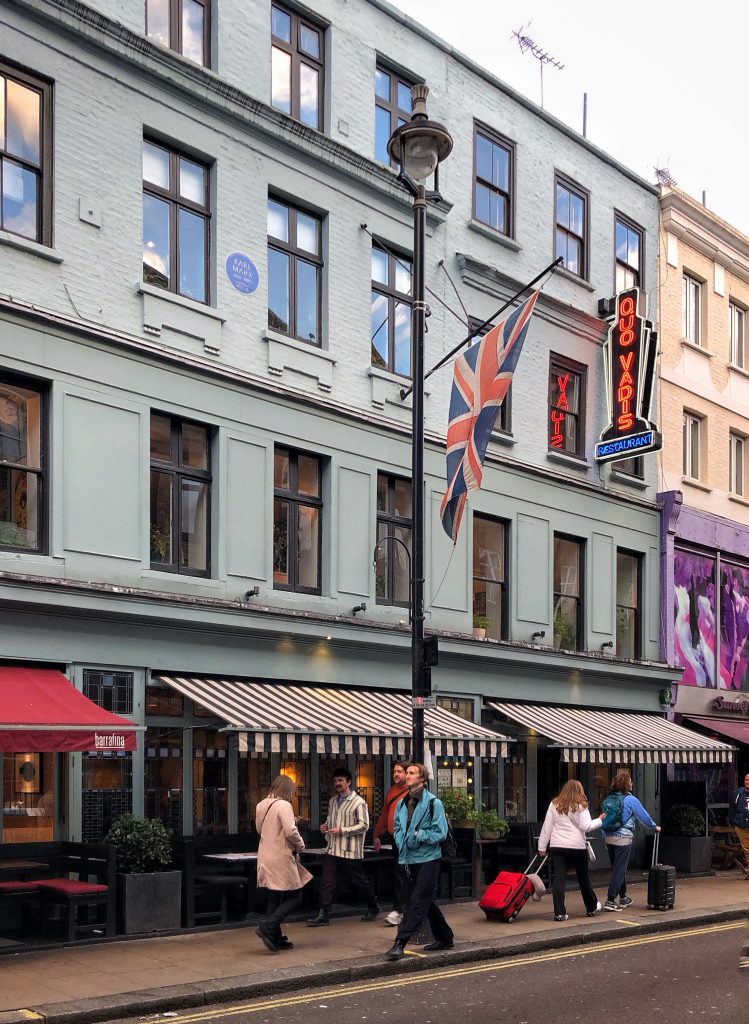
{"type": "Point", "coordinates": [441, 974]}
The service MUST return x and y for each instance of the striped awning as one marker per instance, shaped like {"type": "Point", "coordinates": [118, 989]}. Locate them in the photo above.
{"type": "Point", "coordinates": [624, 737]}
{"type": "Point", "coordinates": [293, 719]}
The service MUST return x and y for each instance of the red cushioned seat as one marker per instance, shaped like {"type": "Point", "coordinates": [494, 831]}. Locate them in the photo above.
{"type": "Point", "coordinates": [12, 887]}
{"type": "Point", "coordinates": [69, 886]}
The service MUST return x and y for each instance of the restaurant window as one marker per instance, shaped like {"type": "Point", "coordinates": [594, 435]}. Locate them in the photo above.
{"type": "Point", "coordinates": [112, 691]}
{"type": "Point", "coordinates": [736, 463]}
{"type": "Point", "coordinates": [297, 66]}
{"type": "Point", "coordinates": [692, 445]}
{"type": "Point", "coordinates": [327, 764]}
{"type": "Point", "coordinates": [107, 776]}
{"type": "Point", "coordinates": [692, 309]}
{"type": "Point", "coordinates": [182, 25]}
{"type": "Point", "coordinates": [571, 205]}
{"type": "Point", "coordinates": [737, 329]}
{"type": "Point", "coordinates": [163, 768]}
{"type": "Point", "coordinates": [23, 477]}
{"type": "Point", "coordinates": [392, 109]}
{"type": "Point", "coordinates": [490, 784]}
{"type": "Point", "coordinates": [176, 222]}
{"type": "Point", "coordinates": [628, 598]}
{"type": "Point", "coordinates": [163, 702]}
{"type": "Point", "coordinates": [297, 521]}
{"type": "Point", "coordinates": [298, 768]}
{"type": "Point", "coordinates": [25, 155]}
{"type": "Point", "coordinates": [566, 406]}
{"type": "Point", "coordinates": [516, 783]}
{"type": "Point", "coordinates": [180, 496]}
{"type": "Point", "coordinates": [390, 318]}
{"type": "Point", "coordinates": [568, 593]}
{"type": "Point", "coordinates": [489, 584]}
{"type": "Point", "coordinates": [628, 251]}
{"type": "Point", "coordinates": [294, 272]}
{"type": "Point", "coordinates": [393, 551]}
{"type": "Point", "coordinates": [369, 783]}
{"type": "Point", "coordinates": [253, 783]}
{"type": "Point", "coordinates": [493, 185]}
{"type": "Point", "coordinates": [210, 777]}
{"type": "Point", "coordinates": [28, 797]}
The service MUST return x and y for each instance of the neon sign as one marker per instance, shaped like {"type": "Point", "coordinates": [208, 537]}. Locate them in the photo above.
{"type": "Point", "coordinates": [559, 413]}
{"type": "Point", "coordinates": [629, 364]}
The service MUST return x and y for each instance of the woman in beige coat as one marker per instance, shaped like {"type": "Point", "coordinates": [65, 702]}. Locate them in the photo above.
{"type": "Point", "coordinates": [278, 866]}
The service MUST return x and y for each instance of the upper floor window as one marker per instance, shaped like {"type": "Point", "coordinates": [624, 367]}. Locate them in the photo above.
{"type": "Point", "coordinates": [393, 555]}
{"type": "Point", "coordinates": [176, 220]}
{"type": "Point", "coordinates": [182, 25]}
{"type": "Point", "coordinates": [571, 206]}
{"type": "Point", "coordinates": [503, 424]}
{"type": "Point", "coordinates": [736, 323]}
{"type": "Point", "coordinates": [628, 643]}
{"type": "Point", "coordinates": [22, 465]}
{"type": "Point", "coordinates": [391, 311]}
{"type": "Point", "coordinates": [566, 406]}
{"type": "Point", "coordinates": [493, 180]}
{"type": "Point", "coordinates": [297, 66]}
{"type": "Point", "coordinates": [628, 243]}
{"type": "Point", "coordinates": [110, 690]}
{"type": "Point", "coordinates": [632, 467]}
{"type": "Point", "coordinates": [180, 495]}
{"type": "Point", "coordinates": [692, 446]}
{"type": "Point", "coordinates": [568, 593]}
{"type": "Point", "coordinates": [489, 583]}
{"type": "Point", "coordinates": [297, 514]}
{"type": "Point", "coordinates": [737, 459]}
{"type": "Point", "coordinates": [294, 271]}
{"type": "Point", "coordinates": [25, 155]}
{"type": "Point", "coordinates": [692, 309]}
{"type": "Point", "coordinates": [392, 109]}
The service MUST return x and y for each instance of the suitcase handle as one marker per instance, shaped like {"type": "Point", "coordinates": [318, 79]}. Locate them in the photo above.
{"type": "Point", "coordinates": [540, 866]}
{"type": "Point", "coordinates": [656, 843]}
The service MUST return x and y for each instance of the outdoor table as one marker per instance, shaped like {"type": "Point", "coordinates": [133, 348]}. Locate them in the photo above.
{"type": "Point", "coordinates": [22, 870]}
{"type": "Point", "coordinates": [726, 842]}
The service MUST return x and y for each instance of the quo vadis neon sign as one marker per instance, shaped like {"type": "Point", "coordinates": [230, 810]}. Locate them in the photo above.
{"type": "Point", "coordinates": [629, 364]}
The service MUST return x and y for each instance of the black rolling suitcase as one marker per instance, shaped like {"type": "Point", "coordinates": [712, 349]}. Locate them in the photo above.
{"type": "Point", "coordinates": [661, 882]}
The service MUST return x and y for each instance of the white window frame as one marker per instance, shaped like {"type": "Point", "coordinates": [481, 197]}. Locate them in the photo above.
{"type": "Point", "coordinates": [692, 309]}
{"type": "Point", "coordinates": [737, 330]}
{"type": "Point", "coordinates": [736, 463]}
{"type": "Point", "coordinates": [692, 453]}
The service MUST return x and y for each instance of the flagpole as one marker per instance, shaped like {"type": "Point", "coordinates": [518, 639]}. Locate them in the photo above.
{"type": "Point", "coordinates": [405, 392]}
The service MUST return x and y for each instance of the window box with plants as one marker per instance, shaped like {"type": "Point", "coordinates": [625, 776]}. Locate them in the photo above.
{"type": "Point", "coordinates": [684, 842]}
{"type": "Point", "coordinates": [481, 626]}
{"type": "Point", "coordinates": [149, 897]}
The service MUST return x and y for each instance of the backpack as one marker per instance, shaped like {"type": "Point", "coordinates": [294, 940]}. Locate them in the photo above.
{"type": "Point", "coordinates": [612, 805]}
{"type": "Point", "coordinates": [448, 846]}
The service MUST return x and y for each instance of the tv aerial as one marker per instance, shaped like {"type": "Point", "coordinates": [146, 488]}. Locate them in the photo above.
{"type": "Point", "coordinates": [528, 45]}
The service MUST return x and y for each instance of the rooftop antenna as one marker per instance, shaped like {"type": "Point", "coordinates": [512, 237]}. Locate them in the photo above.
{"type": "Point", "coordinates": [664, 177]}
{"type": "Point", "coordinates": [527, 44]}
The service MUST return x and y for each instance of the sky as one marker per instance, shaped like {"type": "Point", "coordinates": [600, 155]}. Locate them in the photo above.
{"type": "Point", "coordinates": [667, 81]}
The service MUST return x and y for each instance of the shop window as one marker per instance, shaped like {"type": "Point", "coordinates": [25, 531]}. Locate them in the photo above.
{"type": "Point", "coordinates": [566, 406]}
{"type": "Point", "coordinates": [22, 466]}
{"type": "Point", "coordinates": [516, 783]}
{"type": "Point", "coordinates": [369, 783]}
{"type": "Point", "coordinates": [112, 691]}
{"type": "Point", "coordinates": [163, 702]}
{"type": "Point", "coordinates": [163, 777]}
{"type": "Point", "coordinates": [297, 515]}
{"type": "Point", "coordinates": [568, 593]}
{"type": "Point", "coordinates": [210, 776]}
{"type": "Point", "coordinates": [393, 553]}
{"type": "Point", "coordinates": [298, 769]}
{"type": "Point", "coordinates": [326, 766]}
{"type": "Point", "coordinates": [253, 783]}
{"type": "Point", "coordinates": [489, 584]}
{"type": "Point", "coordinates": [297, 66]}
{"type": "Point", "coordinates": [28, 809]}
{"type": "Point", "coordinates": [456, 774]}
{"type": "Point", "coordinates": [182, 25]}
{"type": "Point", "coordinates": [490, 784]}
{"type": "Point", "coordinates": [628, 599]}
{"type": "Point", "coordinates": [107, 792]}
{"type": "Point", "coordinates": [734, 642]}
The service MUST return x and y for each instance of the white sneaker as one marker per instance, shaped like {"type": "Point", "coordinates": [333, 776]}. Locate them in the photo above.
{"type": "Point", "coordinates": [394, 918]}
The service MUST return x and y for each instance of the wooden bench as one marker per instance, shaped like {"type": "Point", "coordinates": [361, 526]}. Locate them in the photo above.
{"type": "Point", "coordinates": [206, 884]}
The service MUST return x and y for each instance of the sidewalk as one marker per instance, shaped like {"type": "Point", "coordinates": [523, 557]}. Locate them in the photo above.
{"type": "Point", "coordinates": [75, 985]}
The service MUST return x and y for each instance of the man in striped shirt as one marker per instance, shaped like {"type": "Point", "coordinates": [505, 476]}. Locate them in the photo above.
{"type": "Point", "coordinates": [344, 831]}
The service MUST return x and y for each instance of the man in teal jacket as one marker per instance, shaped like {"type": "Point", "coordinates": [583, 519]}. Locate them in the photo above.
{"type": "Point", "coordinates": [420, 827]}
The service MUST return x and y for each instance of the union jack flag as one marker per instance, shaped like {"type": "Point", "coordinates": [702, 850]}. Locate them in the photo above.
{"type": "Point", "coordinates": [482, 378]}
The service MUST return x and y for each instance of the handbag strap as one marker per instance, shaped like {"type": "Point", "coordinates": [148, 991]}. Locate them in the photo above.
{"type": "Point", "coordinates": [260, 830]}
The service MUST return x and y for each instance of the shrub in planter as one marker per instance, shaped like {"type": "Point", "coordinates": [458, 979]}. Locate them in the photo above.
{"type": "Point", "coordinates": [148, 896]}
{"type": "Point", "coordinates": [489, 825]}
{"type": "Point", "coordinates": [459, 806]}
{"type": "Point", "coordinates": [684, 843]}
{"type": "Point", "coordinates": [684, 820]}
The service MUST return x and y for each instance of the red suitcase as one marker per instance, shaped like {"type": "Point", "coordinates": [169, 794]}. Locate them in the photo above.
{"type": "Point", "coordinates": [508, 894]}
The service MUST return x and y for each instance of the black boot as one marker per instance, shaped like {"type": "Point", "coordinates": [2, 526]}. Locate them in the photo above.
{"type": "Point", "coordinates": [321, 919]}
{"type": "Point", "coordinates": [437, 945]}
{"type": "Point", "coordinates": [396, 951]}
{"type": "Point", "coordinates": [285, 943]}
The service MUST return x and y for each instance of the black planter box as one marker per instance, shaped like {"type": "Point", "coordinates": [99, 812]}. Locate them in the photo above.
{"type": "Point", "coordinates": [689, 854]}
{"type": "Point", "coordinates": [150, 902]}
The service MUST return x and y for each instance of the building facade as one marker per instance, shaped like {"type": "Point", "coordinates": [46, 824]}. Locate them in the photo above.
{"type": "Point", "coordinates": [204, 331]}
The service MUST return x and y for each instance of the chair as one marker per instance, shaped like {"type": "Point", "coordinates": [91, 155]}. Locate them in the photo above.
{"type": "Point", "coordinates": [85, 862]}
{"type": "Point", "coordinates": [460, 870]}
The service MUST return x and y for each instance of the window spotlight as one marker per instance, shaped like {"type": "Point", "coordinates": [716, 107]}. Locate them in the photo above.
{"type": "Point", "coordinates": [538, 635]}
{"type": "Point", "coordinates": [254, 592]}
{"type": "Point", "coordinates": [609, 644]}
{"type": "Point", "coordinates": [359, 608]}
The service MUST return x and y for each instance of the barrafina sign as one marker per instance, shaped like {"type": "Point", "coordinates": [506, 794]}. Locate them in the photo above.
{"type": "Point", "coordinates": [629, 364]}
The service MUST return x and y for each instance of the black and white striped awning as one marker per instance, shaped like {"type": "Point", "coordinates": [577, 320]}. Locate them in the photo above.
{"type": "Point", "coordinates": [623, 737]}
{"type": "Point", "coordinates": [293, 719]}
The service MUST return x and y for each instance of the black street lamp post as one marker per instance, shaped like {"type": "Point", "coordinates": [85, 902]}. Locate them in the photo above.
{"type": "Point", "coordinates": [418, 147]}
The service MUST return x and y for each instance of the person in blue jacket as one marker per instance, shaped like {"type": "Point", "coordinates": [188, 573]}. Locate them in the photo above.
{"type": "Point", "coordinates": [420, 827]}
{"type": "Point", "coordinates": [623, 811]}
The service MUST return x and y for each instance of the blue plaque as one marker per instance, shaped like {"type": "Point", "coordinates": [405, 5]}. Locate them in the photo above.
{"type": "Point", "coordinates": [242, 272]}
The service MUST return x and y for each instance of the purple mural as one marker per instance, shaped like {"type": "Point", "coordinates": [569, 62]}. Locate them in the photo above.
{"type": "Point", "coordinates": [694, 610]}
{"type": "Point", "coordinates": [734, 625]}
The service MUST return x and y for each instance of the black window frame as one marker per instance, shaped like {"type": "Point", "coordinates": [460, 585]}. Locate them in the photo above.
{"type": "Point", "coordinates": [177, 203]}
{"type": "Point", "coordinates": [41, 472]}
{"type": "Point", "coordinates": [581, 371]}
{"type": "Point", "coordinates": [572, 187]}
{"type": "Point", "coordinates": [634, 467]}
{"type": "Point", "coordinates": [638, 560]}
{"type": "Point", "coordinates": [175, 27]}
{"type": "Point", "coordinates": [503, 583]}
{"type": "Point", "coordinates": [296, 498]}
{"type": "Point", "coordinates": [393, 298]}
{"type": "Point", "coordinates": [295, 254]}
{"type": "Point", "coordinates": [503, 426]}
{"type": "Point", "coordinates": [300, 56]}
{"type": "Point", "coordinates": [44, 169]}
{"type": "Point", "coordinates": [637, 272]}
{"type": "Point", "coordinates": [389, 518]}
{"type": "Point", "coordinates": [121, 686]}
{"type": "Point", "coordinates": [178, 471]}
{"type": "Point", "coordinates": [579, 597]}
{"type": "Point", "coordinates": [494, 138]}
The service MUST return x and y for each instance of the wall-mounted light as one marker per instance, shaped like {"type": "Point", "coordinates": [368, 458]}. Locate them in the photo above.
{"type": "Point", "coordinates": [609, 644]}
{"type": "Point", "coordinates": [359, 608]}
{"type": "Point", "coordinates": [665, 697]}
{"type": "Point", "coordinates": [538, 635]}
{"type": "Point", "coordinates": [254, 592]}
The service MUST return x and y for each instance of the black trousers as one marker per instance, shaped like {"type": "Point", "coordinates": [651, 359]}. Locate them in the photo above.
{"type": "Point", "coordinates": [280, 904]}
{"type": "Point", "coordinates": [421, 903]}
{"type": "Point", "coordinates": [334, 868]}
{"type": "Point", "coordinates": [401, 883]}
{"type": "Point", "coordinates": [562, 858]}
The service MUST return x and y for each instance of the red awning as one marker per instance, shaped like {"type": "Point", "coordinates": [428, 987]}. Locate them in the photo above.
{"type": "Point", "coordinates": [731, 728]}
{"type": "Point", "coordinates": [41, 710]}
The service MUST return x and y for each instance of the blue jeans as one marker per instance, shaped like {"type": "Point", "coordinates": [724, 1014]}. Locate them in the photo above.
{"type": "Point", "coordinates": [619, 857]}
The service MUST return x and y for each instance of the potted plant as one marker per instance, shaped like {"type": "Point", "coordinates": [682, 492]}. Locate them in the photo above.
{"type": "Point", "coordinates": [481, 624]}
{"type": "Point", "coordinates": [149, 898]}
{"type": "Point", "coordinates": [564, 633]}
{"type": "Point", "coordinates": [684, 842]}
{"type": "Point", "coordinates": [459, 807]}
{"type": "Point", "coordinates": [489, 825]}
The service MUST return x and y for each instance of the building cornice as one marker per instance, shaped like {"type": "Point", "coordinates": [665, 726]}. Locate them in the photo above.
{"type": "Point", "coordinates": [700, 229]}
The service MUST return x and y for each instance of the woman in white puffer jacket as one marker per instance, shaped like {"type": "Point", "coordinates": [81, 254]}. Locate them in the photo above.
{"type": "Point", "coordinates": [564, 835]}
